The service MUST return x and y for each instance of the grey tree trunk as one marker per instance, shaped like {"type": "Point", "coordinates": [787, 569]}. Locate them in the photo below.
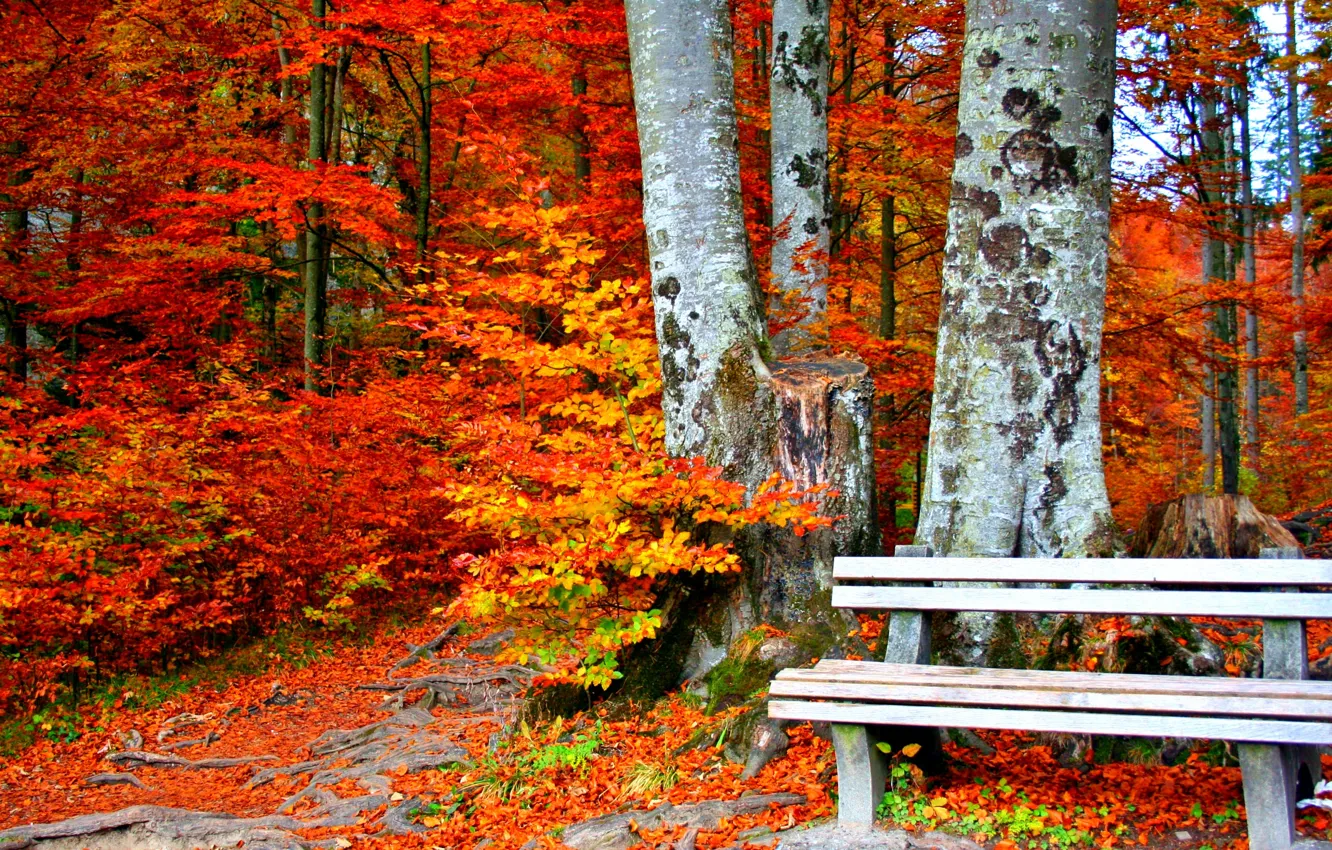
{"type": "Point", "coordinates": [808, 420]}
{"type": "Point", "coordinates": [1015, 433]}
{"type": "Point", "coordinates": [801, 203]}
{"type": "Point", "coordinates": [1301, 345]}
{"type": "Point", "coordinates": [314, 271]}
{"type": "Point", "coordinates": [1251, 352]}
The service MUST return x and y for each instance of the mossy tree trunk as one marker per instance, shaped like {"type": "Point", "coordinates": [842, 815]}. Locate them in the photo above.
{"type": "Point", "coordinates": [1015, 435]}
{"type": "Point", "coordinates": [723, 397]}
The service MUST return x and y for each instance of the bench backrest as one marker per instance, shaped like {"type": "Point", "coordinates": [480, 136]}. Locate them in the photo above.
{"type": "Point", "coordinates": [1208, 586]}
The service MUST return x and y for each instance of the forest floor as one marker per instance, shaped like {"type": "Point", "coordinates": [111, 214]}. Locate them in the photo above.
{"type": "Point", "coordinates": [332, 749]}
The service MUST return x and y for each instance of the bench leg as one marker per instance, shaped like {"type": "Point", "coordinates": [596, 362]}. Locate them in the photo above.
{"type": "Point", "coordinates": [1269, 795]}
{"type": "Point", "coordinates": [862, 770]}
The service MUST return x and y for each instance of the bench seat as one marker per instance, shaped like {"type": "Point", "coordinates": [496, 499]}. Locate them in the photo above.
{"type": "Point", "coordinates": [1277, 722]}
{"type": "Point", "coordinates": [867, 692]}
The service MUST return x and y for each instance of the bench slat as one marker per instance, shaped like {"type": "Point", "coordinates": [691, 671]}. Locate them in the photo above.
{"type": "Point", "coordinates": [1249, 571]}
{"type": "Point", "coordinates": [1190, 603]}
{"type": "Point", "coordinates": [879, 673]}
{"type": "Point", "coordinates": [1205, 706]}
{"type": "Point", "coordinates": [1080, 723]}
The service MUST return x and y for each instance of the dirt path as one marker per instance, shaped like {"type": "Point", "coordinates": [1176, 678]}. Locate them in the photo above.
{"type": "Point", "coordinates": [411, 741]}
{"type": "Point", "coordinates": [337, 744]}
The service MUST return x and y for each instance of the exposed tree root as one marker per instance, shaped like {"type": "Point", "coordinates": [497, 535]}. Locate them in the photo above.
{"type": "Point", "coordinates": [141, 758]}
{"type": "Point", "coordinates": [426, 650]}
{"type": "Point", "coordinates": [115, 779]}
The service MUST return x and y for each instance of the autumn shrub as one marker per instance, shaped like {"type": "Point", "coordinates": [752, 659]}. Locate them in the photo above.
{"type": "Point", "coordinates": [514, 453]}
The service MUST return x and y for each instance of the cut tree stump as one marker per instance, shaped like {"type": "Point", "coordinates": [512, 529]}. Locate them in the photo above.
{"type": "Point", "coordinates": [1198, 526]}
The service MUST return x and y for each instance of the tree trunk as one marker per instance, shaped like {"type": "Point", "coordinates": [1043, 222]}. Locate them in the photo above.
{"type": "Point", "coordinates": [1220, 328]}
{"type": "Point", "coordinates": [801, 203]}
{"type": "Point", "coordinates": [1202, 526]}
{"type": "Point", "coordinates": [1301, 346]}
{"type": "Point", "coordinates": [1251, 412]}
{"type": "Point", "coordinates": [314, 270]}
{"type": "Point", "coordinates": [582, 146]}
{"type": "Point", "coordinates": [1207, 411]}
{"type": "Point", "coordinates": [423, 155]}
{"type": "Point", "coordinates": [888, 205]}
{"type": "Point", "coordinates": [1015, 435]}
{"type": "Point", "coordinates": [808, 420]}
{"type": "Point", "coordinates": [12, 308]}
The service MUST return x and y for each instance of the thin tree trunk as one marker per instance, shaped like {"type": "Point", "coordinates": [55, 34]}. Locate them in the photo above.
{"type": "Point", "coordinates": [888, 267]}
{"type": "Point", "coordinates": [1207, 413]}
{"type": "Point", "coordinates": [314, 270]}
{"type": "Point", "coordinates": [1301, 346]}
{"type": "Point", "coordinates": [335, 108]}
{"type": "Point", "coordinates": [424, 151]}
{"type": "Point", "coordinates": [1220, 327]}
{"type": "Point", "coordinates": [801, 203]}
{"type": "Point", "coordinates": [839, 216]}
{"type": "Point", "coordinates": [582, 145]}
{"type": "Point", "coordinates": [286, 92]}
{"type": "Point", "coordinates": [1251, 352]}
{"type": "Point", "coordinates": [888, 208]}
{"type": "Point", "coordinates": [1015, 430]}
{"type": "Point", "coordinates": [12, 309]}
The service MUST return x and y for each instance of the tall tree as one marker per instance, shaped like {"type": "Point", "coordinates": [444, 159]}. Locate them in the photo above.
{"type": "Point", "coordinates": [1220, 413]}
{"type": "Point", "coordinates": [809, 422]}
{"type": "Point", "coordinates": [13, 311]}
{"type": "Point", "coordinates": [315, 272]}
{"type": "Point", "coordinates": [1015, 436]}
{"type": "Point", "coordinates": [1301, 345]}
{"type": "Point", "coordinates": [424, 152]}
{"type": "Point", "coordinates": [801, 202]}
{"type": "Point", "coordinates": [1249, 237]}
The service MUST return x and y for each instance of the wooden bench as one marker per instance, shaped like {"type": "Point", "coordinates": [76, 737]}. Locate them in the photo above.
{"type": "Point", "coordinates": [1277, 721]}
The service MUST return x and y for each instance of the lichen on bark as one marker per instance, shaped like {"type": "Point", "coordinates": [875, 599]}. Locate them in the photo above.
{"type": "Point", "coordinates": [1015, 438]}
{"type": "Point", "coordinates": [801, 200]}
{"type": "Point", "coordinates": [1014, 463]}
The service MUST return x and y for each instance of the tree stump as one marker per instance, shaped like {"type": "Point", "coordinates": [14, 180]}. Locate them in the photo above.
{"type": "Point", "coordinates": [1198, 526]}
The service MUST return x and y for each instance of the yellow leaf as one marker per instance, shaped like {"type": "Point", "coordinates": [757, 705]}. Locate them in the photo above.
{"type": "Point", "coordinates": [910, 750]}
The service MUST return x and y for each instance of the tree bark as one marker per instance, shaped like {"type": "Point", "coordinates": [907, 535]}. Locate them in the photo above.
{"type": "Point", "coordinates": [1200, 526]}
{"type": "Point", "coordinates": [1301, 345]}
{"type": "Point", "coordinates": [582, 145]}
{"type": "Point", "coordinates": [1249, 236]}
{"type": "Point", "coordinates": [424, 151]}
{"type": "Point", "coordinates": [1220, 327]}
{"type": "Point", "coordinates": [888, 205]}
{"type": "Point", "coordinates": [314, 270]}
{"type": "Point", "coordinates": [809, 420]}
{"type": "Point", "coordinates": [12, 309]}
{"type": "Point", "coordinates": [801, 203]}
{"type": "Point", "coordinates": [1015, 436]}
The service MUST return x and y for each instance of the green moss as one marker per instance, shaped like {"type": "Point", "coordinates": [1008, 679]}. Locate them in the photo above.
{"type": "Point", "coordinates": [736, 679]}
{"type": "Point", "coordinates": [1005, 649]}
{"type": "Point", "coordinates": [1065, 645]}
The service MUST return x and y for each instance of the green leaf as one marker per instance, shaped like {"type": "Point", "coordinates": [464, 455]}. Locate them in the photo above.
{"type": "Point", "coordinates": [884, 748]}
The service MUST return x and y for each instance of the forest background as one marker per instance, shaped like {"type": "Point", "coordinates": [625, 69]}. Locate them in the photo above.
{"type": "Point", "coordinates": [308, 310]}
